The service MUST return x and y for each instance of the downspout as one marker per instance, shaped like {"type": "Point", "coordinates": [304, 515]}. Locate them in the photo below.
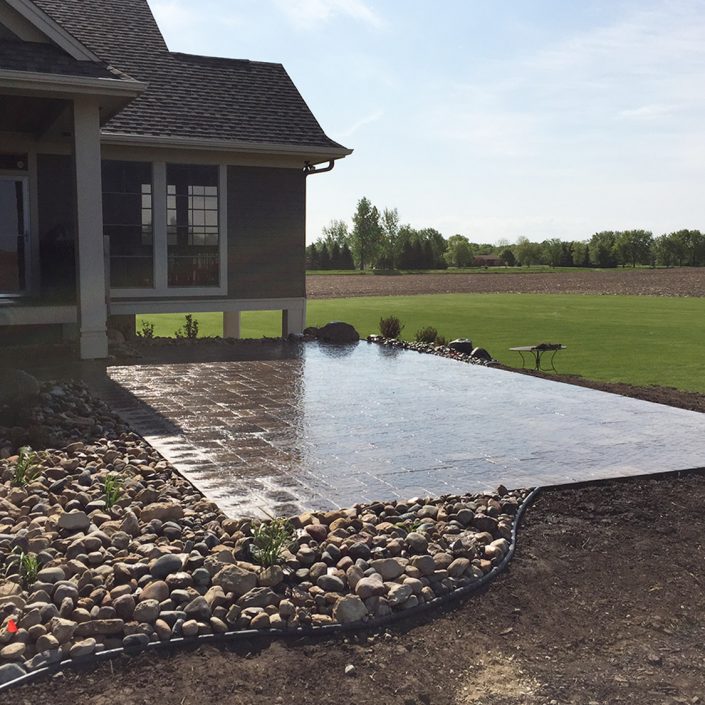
{"type": "Point", "coordinates": [309, 169]}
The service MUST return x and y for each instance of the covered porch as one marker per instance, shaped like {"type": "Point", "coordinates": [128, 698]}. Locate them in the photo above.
{"type": "Point", "coordinates": [52, 256]}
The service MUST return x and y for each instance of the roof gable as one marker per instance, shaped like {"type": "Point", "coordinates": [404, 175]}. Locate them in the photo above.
{"type": "Point", "coordinates": [30, 23]}
{"type": "Point", "coordinates": [189, 97]}
{"type": "Point", "coordinates": [115, 30]}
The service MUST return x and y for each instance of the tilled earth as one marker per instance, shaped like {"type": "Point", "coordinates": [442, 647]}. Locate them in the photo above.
{"type": "Point", "coordinates": [693, 401]}
{"type": "Point", "coordinates": [603, 603]}
{"type": "Point", "coordinates": [680, 281]}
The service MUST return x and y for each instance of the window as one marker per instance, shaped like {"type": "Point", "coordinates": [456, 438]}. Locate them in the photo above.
{"type": "Point", "coordinates": [193, 227]}
{"type": "Point", "coordinates": [127, 221]}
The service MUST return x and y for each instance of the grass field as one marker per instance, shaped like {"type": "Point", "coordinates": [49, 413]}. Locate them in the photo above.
{"type": "Point", "coordinates": [641, 340]}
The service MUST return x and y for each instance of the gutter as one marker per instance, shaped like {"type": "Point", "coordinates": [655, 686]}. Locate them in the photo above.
{"type": "Point", "coordinates": [324, 153]}
{"type": "Point", "coordinates": [67, 84]}
{"type": "Point", "coordinates": [310, 170]}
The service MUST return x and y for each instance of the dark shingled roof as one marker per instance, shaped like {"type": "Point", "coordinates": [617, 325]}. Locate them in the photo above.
{"type": "Point", "coordinates": [188, 96]}
{"type": "Point", "coordinates": [47, 58]}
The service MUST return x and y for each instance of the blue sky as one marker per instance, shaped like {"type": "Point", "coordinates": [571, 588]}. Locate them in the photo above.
{"type": "Point", "coordinates": [494, 120]}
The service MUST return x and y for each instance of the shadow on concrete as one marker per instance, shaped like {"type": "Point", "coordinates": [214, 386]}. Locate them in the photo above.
{"type": "Point", "coordinates": [60, 363]}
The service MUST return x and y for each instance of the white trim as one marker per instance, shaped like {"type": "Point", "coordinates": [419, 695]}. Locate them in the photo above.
{"type": "Point", "coordinates": [92, 299]}
{"type": "Point", "coordinates": [19, 315]}
{"type": "Point", "coordinates": [195, 156]}
{"type": "Point", "coordinates": [161, 249]}
{"type": "Point", "coordinates": [47, 26]}
{"type": "Point", "coordinates": [231, 324]}
{"type": "Point", "coordinates": [167, 291]}
{"type": "Point", "coordinates": [62, 84]}
{"type": "Point", "coordinates": [124, 306]}
{"type": "Point", "coordinates": [325, 153]}
{"type": "Point", "coordinates": [294, 319]}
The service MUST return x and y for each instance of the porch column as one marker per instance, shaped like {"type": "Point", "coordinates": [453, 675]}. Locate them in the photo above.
{"type": "Point", "coordinates": [294, 319]}
{"type": "Point", "coordinates": [231, 324]}
{"type": "Point", "coordinates": [92, 305]}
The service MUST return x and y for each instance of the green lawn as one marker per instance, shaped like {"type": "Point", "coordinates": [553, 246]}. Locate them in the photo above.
{"type": "Point", "coordinates": [638, 339]}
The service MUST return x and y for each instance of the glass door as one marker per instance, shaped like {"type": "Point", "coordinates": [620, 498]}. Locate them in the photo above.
{"type": "Point", "coordinates": [14, 233]}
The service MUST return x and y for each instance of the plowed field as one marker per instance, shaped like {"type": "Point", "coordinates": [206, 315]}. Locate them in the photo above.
{"type": "Point", "coordinates": [683, 281]}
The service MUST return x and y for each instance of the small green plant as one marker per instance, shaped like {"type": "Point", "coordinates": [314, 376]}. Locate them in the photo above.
{"type": "Point", "coordinates": [390, 327]}
{"type": "Point", "coordinates": [146, 331]}
{"type": "Point", "coordinates": [24, 565]}
{"type": "Point", "coordinates": [113, 490]}
{"type": "Point", "coordinates": [270, 539]}
{"type": "Point", "coordinates": [27, 467]}
{"type": "Point", "coordinates": [441, 340]}
{"type": "Point", "coordinates": [410, 526]}
{"type": "Point", "coordinates": [189, 330]}
{"type": "Point", "coordinates": [426, 335]}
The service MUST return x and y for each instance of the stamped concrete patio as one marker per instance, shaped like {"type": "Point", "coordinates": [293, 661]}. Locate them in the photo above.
{"type": "Point", "coordinates": [329, 427]}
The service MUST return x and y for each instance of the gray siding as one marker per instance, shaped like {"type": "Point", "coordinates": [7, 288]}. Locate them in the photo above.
{"type": "Point", "coordinates": [266, 232]}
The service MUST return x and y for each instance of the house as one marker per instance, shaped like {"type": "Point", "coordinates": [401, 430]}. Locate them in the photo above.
{"type": "Point", "coordinates": [487, 261]}
{"type": "Point", "coordinates": [134, 179]}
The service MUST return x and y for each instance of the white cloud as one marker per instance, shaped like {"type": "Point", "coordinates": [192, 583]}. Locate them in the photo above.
{"type": "Point", "coordinates": [647, 112]}
{"type": "Point", "coordinates": [359, 124]}
{"type": "Point", "coordinates": [309, 14]}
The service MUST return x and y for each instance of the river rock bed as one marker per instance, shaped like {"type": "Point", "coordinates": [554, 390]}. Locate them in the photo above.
{"type": "Point", "coordinates": [161, 561]}
{"type": "Point", "coordinates": [431, 349]}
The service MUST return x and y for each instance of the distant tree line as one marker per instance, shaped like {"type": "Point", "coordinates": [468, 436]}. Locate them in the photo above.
{"type": "Point", "coordinates": [377, 240]}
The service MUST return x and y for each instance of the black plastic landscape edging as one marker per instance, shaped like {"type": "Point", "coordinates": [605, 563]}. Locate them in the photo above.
{"type": "Point", "coordinates": [272, 634]}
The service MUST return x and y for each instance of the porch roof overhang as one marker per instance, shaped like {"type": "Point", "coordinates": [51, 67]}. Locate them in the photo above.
{"type": "Point", "coordinates": [113, 94]}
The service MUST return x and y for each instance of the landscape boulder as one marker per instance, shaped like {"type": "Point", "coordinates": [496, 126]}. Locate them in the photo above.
{"type": "Point", "coordinates": [339, 333]}
{"type": "Point", "coordinates": [349, 609]}
{"type": "Point", "coordinates": [461, 345]}
{"type": "Point", "coordinates": [481, 354]}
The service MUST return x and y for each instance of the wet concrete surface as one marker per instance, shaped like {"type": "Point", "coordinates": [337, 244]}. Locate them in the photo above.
{"type": "Point", "coordinates": [281, 429]}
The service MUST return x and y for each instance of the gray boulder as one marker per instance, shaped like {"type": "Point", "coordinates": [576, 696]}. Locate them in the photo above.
{"type": "Point", "coordinates": [339, 333]}
{"type": "Point", "coordinates": [461, 345]}
{"type": "Point", "coordinates": [480, 354]}
{"type": "Point", "coordinates": [348, 609]}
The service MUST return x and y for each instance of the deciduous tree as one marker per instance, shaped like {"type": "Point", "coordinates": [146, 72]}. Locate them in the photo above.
{"type": "Point", "coordinates": [367, 233]}
{"type": "Point", "coordinates": [634, 247]}
{"type": "Point", "coordinates": [459, 252]}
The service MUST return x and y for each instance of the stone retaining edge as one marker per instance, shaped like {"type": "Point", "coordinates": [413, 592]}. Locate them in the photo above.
{"type": "Point", "coordinates": [322, 631]}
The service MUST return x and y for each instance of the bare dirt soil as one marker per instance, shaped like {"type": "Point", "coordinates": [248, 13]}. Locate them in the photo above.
{"type": "Point", "coordinates": [693, 401]}
{"type": "Point", "coordinates": [682, 281]}
{"type": "Point", "coordinates": [603, 604]}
